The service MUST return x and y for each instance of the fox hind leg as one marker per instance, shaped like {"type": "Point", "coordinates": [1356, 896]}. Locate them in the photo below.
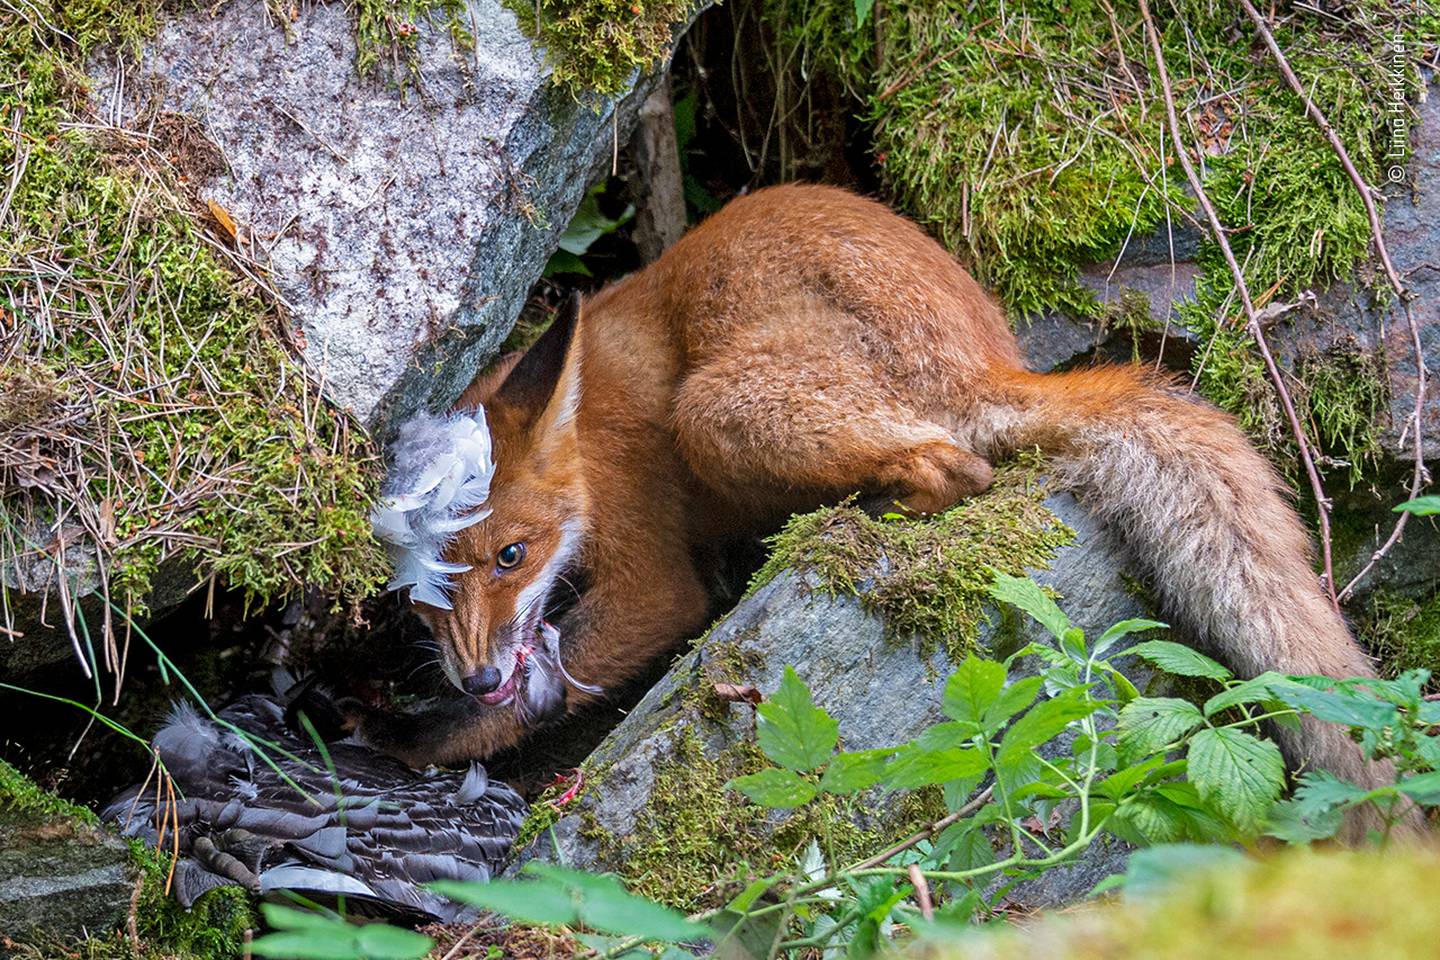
{"type": "Point", "coordinates": [815, 428]}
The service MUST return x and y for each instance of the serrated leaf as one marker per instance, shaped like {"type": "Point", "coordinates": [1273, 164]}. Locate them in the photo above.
{"type": "Point", "coordinates": [1179, 659]}
{"type": "Point", "coordinates": [1123, 781]}
{"type": "Point", "coordinates": [775, 787]}
{"type": "Point", "coordinates": [1295, 823]}
{"type": "Point", "coordinates": [1147, 819]}
{"type": "Point", "coordinates": [1146, 724]}
{"type": "Point", "coordinates": [973, 688]}
{"type": "Point", "coordinates": [1125, 628]}
{"type": "Point", "coordinates": [1353, 709]}
{"type": "Point", "coordinates": [791, 730]}
{"type": "Point", "coordinates": [1026, 594]}
{"type": "Point", "coordinates": [914, 767]}
{"type": "Point", "coordinates": [1014, 698]}
{"type": "Point", "coordinates": [1044, 721]}
{"type": "Point", "coordinates": [854, 771]}
{"type": "Point", "coordinates": [1236, 774]}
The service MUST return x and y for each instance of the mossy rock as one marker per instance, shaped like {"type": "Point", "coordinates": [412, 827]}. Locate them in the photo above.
{"type": "Point", "coordinates": [71, 888]}
{"type": "Point", "coordinates": [874, 633]}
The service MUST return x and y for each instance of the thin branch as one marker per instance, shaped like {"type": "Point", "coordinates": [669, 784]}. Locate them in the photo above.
{"type": "Point", "coordinates": [1377, 234]}
{"type": "Point", "coordinates": [1252, 320]}
{"type": "Point", "coordinates": [925, 833]}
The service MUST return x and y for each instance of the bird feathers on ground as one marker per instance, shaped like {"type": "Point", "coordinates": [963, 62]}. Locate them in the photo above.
{"type": "Point", "coordinates": [372, 830]}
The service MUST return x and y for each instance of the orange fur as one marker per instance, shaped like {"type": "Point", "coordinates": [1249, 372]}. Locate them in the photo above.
{"type": "Point", "coordinates": [803, 344]}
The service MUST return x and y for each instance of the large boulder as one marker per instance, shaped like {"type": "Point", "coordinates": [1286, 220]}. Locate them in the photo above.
{"type": "Point", "coordinates": [402, 216]}
{"type": "Point", "coordinates": [654, 807]}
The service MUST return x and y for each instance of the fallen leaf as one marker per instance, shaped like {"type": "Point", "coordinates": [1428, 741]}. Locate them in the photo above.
{"type": "Point", "coordinates": [738, 693]}
{"type": "Point", "coordinates": [223, 218]}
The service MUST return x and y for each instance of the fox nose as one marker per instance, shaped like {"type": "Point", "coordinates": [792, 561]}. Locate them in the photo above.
{"type": "Point", "coordinates": [479, 684]}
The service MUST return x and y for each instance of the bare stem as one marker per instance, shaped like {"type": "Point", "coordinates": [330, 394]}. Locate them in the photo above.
{"type": "Point", "coordinates": [1377, 234]}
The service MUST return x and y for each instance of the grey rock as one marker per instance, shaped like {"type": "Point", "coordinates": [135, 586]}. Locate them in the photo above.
{"type": "Point", "coordinates": [60, 879]}
{"type": "Point", "coordinates": [403, 230]}
{"type": "Point", "coordinates": [882, 693]}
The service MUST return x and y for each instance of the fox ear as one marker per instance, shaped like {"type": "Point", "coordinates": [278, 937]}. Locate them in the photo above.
{"type": "Point", "coordinates": [546, 380]}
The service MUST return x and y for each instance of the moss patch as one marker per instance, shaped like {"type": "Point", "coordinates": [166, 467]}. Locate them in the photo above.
{"type": "Point", "coordinates": [1404, 633]}
{"type": "Point", "coordinates": [215, 927]}
{"type": "Point", "coordinates": [178, 424]}
{"type": "Point", "coordinates": [1028, 138]}
{"type": "Point", "coordinates": [596, 46]}
{"type": "Point", "coordinates": [933, 580]}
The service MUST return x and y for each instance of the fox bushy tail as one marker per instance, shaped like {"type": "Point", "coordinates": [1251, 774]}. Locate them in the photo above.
{"type": "Point", "coordinates": [1204, 515]}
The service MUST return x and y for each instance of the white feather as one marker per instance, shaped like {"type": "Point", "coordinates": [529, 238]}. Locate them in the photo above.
{"type": "Point", "coordinates": [439, 477]}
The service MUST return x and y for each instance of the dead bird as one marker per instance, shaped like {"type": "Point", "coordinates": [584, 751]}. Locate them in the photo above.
{"type": "Point", "coordinates": [346, 822]}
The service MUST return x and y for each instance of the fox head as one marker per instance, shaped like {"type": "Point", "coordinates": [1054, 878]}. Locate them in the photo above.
{"type": "Point", "coordinates": [495, 643]}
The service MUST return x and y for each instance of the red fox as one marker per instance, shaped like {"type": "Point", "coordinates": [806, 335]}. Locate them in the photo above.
{"type": "Point", "coordinates": [801, 345]}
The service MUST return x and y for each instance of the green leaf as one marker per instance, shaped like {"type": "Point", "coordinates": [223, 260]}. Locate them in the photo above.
{"type": "Point", "coordinates": [1294, 822]}
{"type": "Point", "coordinates": [791, 730]}
{"type": "Point", "coordinates": [377, 941]}
{"type": "Point", "coordinates": [750, 894]}
{"type": "Point", "coordinates": [914, 767]}
{"type": "Point", "coordinates": [282, 917]}
{"type": "Point", "coordinates": [1179, 659]}
{"type": "Point", "coordinates": [973, 688]}
{"type": "Point", "coordinates": [1255, 690]}
{"type": "Point", "coordinates": [1146, 724]}
{"type": "Point", "coordinates": [306, 945]}
{"type": "Point", "coordinates": [862, 12]}
{"type": "Point", "coordinates": [1237, 774]}
{"type": "Point", "coordinates": [1124, 780]}
{"type": "Point", "coordinates": [1012, 700]}
{"type": "Point", "coordinates": [1420, 506]}
{"type": "Point", "coordinates": [529, 901]}
{"type": "Point", "coordinates": [1146, 819]}
{"type": "Point", "coordinates": [1351, 708]}
{"type": "Point", "coordinates": [1161, 868]}
{"type": "Point", "coordinates": [1042, 722]}
{"type": "Point", "coordinates": [774, 787]}
{"type": "Point", "coordinates": [852, 772]}
{"type": "Point", "coordinates": [1024, 593]}
{"type": "Point", "coordinates": [605, 905]}
{"type": "Point", "coordinates": [1125, 628]}
{"type": "Point", "coordinates": [1422, 788]}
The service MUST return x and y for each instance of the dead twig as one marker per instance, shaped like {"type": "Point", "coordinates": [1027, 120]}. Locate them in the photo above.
{"type": "Point", "coordinates": [925, 833]}
{"type": "Point", "coordinates": [1252, 320]}
{"type": "Point", "coordinates": [1377, 235]}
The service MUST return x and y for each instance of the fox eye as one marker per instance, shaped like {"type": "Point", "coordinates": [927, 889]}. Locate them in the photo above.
{"type": "Point", "coordinates": [510, 556]}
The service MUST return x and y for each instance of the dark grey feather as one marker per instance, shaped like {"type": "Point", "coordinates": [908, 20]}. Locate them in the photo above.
{"type": "Point", "coordinates": [372, 831]}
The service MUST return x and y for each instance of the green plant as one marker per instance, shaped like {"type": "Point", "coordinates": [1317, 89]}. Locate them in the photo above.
{"type": "Point", "coordinates": [326, 935]}
{"type": "Point", "coordinates": [588, 225]}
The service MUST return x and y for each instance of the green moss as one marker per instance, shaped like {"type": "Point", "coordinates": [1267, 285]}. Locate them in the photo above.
{"type": "Point", "coordinates": [386, 32]}
{"type": "Point", "coordinates": [934, 579]}
{"type": "Point", "coordinates": [180, 424]}
{"type": "Point", "coordinates": [1028, 138]}
{"type": "Point", "coordinates": [596, 46]}
{"type": "Point", "coordinates": [214, 927]}
{"type": "Point", "coordinates": [1404, 633]}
